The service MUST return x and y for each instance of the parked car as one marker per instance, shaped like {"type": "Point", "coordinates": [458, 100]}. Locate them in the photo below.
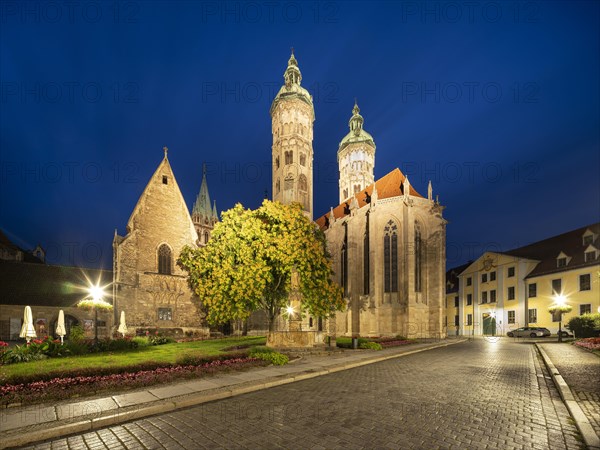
{"type": "Point", "coordinates": [565, 333]}
{"type": "Point", "coordinates": [529, 332]}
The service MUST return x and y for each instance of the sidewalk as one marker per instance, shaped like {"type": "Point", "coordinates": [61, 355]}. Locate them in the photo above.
{"type": "Point", "coordinates": [576, 372]}
{"type": "Point", "coordinates": [23, 425]}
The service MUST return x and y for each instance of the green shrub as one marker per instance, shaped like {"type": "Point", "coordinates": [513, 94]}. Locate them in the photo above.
{"type": "Point", "coordinates": [77, 347]}
{"type": "Point", "coordinates": [160, 340]}
{"type": "Point", "coordinates": [370, 346]}
{"type": "Point", "coordinates": [346, 342]}
{"type": "Point", "coordinates": [587, 325]}
{"type": "Point", "coordinates": [269, 355]}
{"type": "Point", "coordinates": [141, 341]}
{"type": "Point", "coordinates": [76, 334]}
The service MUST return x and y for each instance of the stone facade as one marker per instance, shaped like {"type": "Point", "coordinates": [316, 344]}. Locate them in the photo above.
{"type": "Point", "coordinates": [389, 257]}
{"type": "Point", "coordinates": [148, 285]}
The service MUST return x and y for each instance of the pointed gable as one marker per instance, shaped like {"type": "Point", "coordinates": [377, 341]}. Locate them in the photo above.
{"type": "Point", "coordinates": [162, 204]}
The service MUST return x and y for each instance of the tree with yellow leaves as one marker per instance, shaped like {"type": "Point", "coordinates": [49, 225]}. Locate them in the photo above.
{"type": "Point", "coordinates": [248, 263]}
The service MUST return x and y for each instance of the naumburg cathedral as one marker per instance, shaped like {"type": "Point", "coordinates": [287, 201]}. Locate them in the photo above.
{"type": "Point", "coordinates": [387, 240]}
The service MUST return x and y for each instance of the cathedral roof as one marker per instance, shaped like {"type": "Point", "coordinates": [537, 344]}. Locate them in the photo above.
{"type": "Point", "coordinates": [357, 134]}
{"type": "Point", "coordinates": [291, 88]}
{"type": "Point", "coordinates": [388, 186]}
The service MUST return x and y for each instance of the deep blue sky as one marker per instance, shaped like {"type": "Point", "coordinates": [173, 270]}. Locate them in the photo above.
{"type": "Point", "coordinates": [497, 103]}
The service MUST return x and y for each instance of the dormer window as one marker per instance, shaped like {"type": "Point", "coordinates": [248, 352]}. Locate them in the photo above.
{"type": "Point", "coordinates": [562, 260]}
{"type": "Point", "coordinates": [590, 254]}
{"type": "Point", "coordinates": [588, 237]}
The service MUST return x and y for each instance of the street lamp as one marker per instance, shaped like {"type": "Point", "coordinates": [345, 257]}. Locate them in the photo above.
{"type": "Point", "coordinates": [560, 307]}
{"type": "Point", "coordinates": [95, 300]}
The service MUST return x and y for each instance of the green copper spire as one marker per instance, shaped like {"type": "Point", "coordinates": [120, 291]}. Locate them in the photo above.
{"type": "Point", "coordinates": [202, 204]}
{"type": "Point", "coordinates": [357, 133]}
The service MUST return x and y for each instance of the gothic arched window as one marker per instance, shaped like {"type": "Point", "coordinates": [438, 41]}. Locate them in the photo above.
{"type": "Point", "coordinates": [164, 259]}
{"type": "Point", "coordinates": [418, 258]}
{"type": "Point", "coordinates": [302, 183]}
{"type": "Point", "coordinates": [344, 260]}
{"type": "Point", "coordinates": [206, 237]}
{"type": "Point", "coordinates": [277, 162]}
{"type": "Point", "coordinates": [289, 157]}
{"type": "Point", "coordinates": [390, 255]}
{"type": "Point", "coordinates": [302, 159]}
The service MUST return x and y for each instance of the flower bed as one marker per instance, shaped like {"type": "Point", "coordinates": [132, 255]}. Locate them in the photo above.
{"type": "Point", "coordinates": [589, 343]}
{"type": "Point", "coordinates": [62, 386]}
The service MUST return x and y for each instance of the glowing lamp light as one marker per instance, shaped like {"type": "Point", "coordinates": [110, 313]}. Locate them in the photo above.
{"type": "Point", "coordinates": [290, 310]}
{"type": "Point", "coordinates": [560, 299]}
{"type": "Point", "coordinates": [96, 292]}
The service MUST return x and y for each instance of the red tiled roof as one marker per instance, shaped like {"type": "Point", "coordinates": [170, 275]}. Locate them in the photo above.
{"type": "Point", "coordinates": [388, 186]}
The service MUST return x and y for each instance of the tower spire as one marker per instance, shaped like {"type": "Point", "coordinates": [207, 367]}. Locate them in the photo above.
{"type": "Point", "coordinates": [166, 150]}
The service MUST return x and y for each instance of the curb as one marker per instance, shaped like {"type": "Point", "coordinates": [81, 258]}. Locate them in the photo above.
{"type": "Point", "coordinates": [28, 435]}
{"type": "Point", "coordinates": [583, 424]}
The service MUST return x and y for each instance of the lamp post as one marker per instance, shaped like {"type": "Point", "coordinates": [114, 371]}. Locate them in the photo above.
{"type": "Point", "coordinates": [95, 301]}
{"type": "Point", "coordinates": [560, 307]}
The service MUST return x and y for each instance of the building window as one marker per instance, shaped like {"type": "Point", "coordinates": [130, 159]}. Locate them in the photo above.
{"type": "Point", "coordinates": [493, 276]}
{"type": "Point", "coordinates": [511, 317]}
{"type": "Point", "coordinates": [493, 296]}
{"type": "Point", "coordinates": [532, 290]}
{"type": "Point", "coordinates": [418, 258]}
{"type": "Point", "coordinates": [456, 301]}
{"type": "Point", "coordinates": [165, 314]}
{"type": "Point", "coordinates": [484, 277]}
{"type": "Point", "coordinates": [584, 282]}
{"type": "Point", "coordinates": [561, 262]}
{"type": "Point", "coordinates": [469, 319]}
{"type": "Point", "coordinates": [511, 272]}
{"type": "Point", "coordinates": [277, 162]}
{"type": "Point", "coordinates": [302, 159]}
{"type": "Point", "coordinates": [390, 255]}
{"type": "Point", "coordinates": [345, 193]}
{"type": "Point", "coordinates": [366, 259]}
{"type": "Point", "coordinates": [532, 315]}
{"type": "Point", "coordinates": [587, 240]}
{"type": "Point", "coordinates": [585, 309]}
{"type": "Point", "coordinates": [456, 321]}
{"type": "Point", "coordinates": [557, 286]}
{"type": "Point", "coordinates": [164, 259]}
{"type": "Point", "coordinates": [510, 294]}
{"type": "Point", "coordinates": [357, 188]}
{"type": "Point", "coordinates": [469, 281]}
{"type": "Point", "coordinates": [289, 157]}
{"type": "Point", "coordinates": [590, 256]}
{"type": "Point", "coordinates": [484, 297]}
{"type": "Point", "coordinates": [206, 237]}
{"type": "Point", "coordinates": [469, 299]}
{"type": "Point", "coordinates": [302, 183]}
{"type": "Point", "coordinates": [165, 179]}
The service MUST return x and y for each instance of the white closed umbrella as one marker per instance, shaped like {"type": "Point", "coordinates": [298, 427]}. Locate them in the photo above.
{"type": "Point", "coordinates": [122, 325]}
{"type": "Point", "coordinates": [27, 330]}
{"type": "Point", "coordinates": [60, 325]}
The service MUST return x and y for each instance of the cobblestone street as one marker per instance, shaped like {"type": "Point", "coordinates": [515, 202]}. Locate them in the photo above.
{"type": "Point", "coordinates": [476, 394]}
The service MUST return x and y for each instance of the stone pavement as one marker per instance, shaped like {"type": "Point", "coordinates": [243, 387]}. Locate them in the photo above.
{"type": "Point", "coordinates": [21, 425]}
{"type": "Point", "coordinates": [476, 394]}
{"type": "Point", "coordinates": [580, 370]}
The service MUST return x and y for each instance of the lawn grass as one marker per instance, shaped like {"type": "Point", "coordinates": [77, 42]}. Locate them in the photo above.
{"type": "Point", "coordinates": [167, 353]}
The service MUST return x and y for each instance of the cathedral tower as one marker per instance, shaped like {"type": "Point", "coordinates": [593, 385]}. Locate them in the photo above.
{"type": "Point", "coordinates": [356, 158]}
{"type": "Point", "coordinates": [203, 216]}
{"type": "Point", "coordinates": [292, 117]}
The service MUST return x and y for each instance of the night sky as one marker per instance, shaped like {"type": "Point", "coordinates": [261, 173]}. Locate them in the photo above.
{"type": "Point", "coordinates": [496, 102]}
